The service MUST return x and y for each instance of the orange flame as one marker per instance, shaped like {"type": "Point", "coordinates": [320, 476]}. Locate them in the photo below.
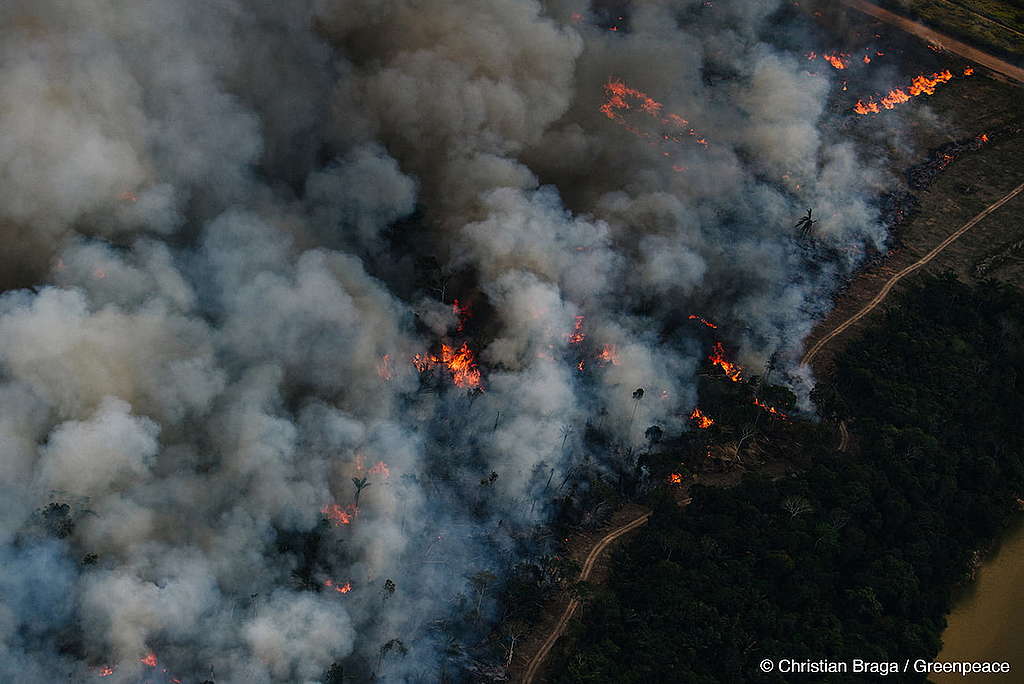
{"type": "Point", "coordinates": [609, 354]}
{"type": "Point", "coordinates": [149, 660]}
{"type": "Point", "coordinates": [381, 469]}
{"type": "Point", "coordinates": [968, 71]}
{"type": "Point", "coordinates": [384, 369]}
{"type": "Point", "coordinates": [618, 102]}
{"type": "Point", "coordinates": [338, 514]}
{"type": "Point", "coordinates": [838, 61]}
{"type": "Point", "coordinates": [675, 478]}
{"type": "Point", "coordinates": [459, 362]}
{"type": "Point", "coordinates": [732, 371]}
{"type": "Point", "coordinates": [695, 317]}
{"type": "Point", "coordinates": [105, 671]}
{"type": "Point", "coordinates": [920, 85]}
{"type": "Point", "coordinates": [983, 137]}
{"type": "Point", "coordinates": [577, 335]}
{"type": "Point", "coordinates": [702, 420]}
{"type": "Point", "coordinates": [580, 366]}
{"type": "Point", "coordinates": [340, 588]}
{"type": "Point", "coordinates": [770, 409]}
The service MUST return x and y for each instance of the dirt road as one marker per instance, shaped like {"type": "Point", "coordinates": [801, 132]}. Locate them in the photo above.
{"type": "Point", "coordinates": [952, 45]}
{"type": "Point", "coordinates": [880, 297]}
{"type": "Point", "coordinates": [563, 621]}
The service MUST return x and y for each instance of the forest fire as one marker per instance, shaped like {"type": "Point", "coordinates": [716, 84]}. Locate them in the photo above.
{"type": "Point", "coordinates": [105, 671]}
{"type": "Point", "coordinates": [920, 85]}
{"type": "Point", "coordinates": [149, 660]}
{"type": "Point", "coordinates": [695, 317]}
{"type": "Point", "coordinates": [675, 478]}
{"type": "Point", "coordinates": [701, 419]}
{"type": "Point", "coordinates": [460, 363]}
{"type": "Point", "coordinates": [338, 514]}
{"type": "Point", "coordinates": [381, 469]}
{"type": "Point", "coordinates": [770, 409]}
{"type": "Point", "coordinates": [340, 588]}
{"type": "Point", "coordinates": [608, 354]}
{"type": "Point", "coordinates": [838, 61]}
{"type": "Point", "coordinates": [577, 335]}
{"type": "Point", "coordinates": [618, 101]}
{"type": "Point", "coordinates": [732, 371]}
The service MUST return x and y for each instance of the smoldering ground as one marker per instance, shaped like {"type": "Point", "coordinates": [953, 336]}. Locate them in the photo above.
{"type": "Point", "coordinates": [216, 217]}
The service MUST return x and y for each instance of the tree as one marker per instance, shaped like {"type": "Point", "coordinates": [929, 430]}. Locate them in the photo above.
{"type": "Point", "coordinates": [360, 484]}
{"type": "Point", "coordinates": [796, 505]}
{"type": "Point", "coordinates": [480, 581]}
{"type": "Point", "coordinates": [512, 631]}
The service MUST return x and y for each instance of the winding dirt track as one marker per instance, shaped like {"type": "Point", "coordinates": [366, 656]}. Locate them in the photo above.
{"type": "Point", "coordinates": [588, 565]}
{"type": "Point", "coordinates": [951, 44]}
{"type": "Point", "coordinates": [880, 297]}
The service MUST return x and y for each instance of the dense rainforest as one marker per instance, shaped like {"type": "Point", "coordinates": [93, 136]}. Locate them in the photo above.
{"type": "Point", "coordinates": [854, 554]}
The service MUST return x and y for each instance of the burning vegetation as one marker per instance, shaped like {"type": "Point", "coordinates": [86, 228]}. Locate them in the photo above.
{"type": "Point", "coordinates": [459, 363]}
{"type": "Point", "coordinates": [920, 85]}
{"type": "Point", "coordinates": [621, 100]}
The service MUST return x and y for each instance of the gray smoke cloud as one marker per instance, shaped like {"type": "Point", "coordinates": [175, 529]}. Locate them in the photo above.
{"type": "Point", "coordinates": [231, 227]}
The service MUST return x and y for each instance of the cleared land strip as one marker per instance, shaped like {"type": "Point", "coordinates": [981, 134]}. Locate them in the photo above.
{"type": "Point", "coordinates": [880, 297]}
{"type": "Point", "coordinates": [588, 565]}
{"type": "Point", "coordinates": [951, 44]}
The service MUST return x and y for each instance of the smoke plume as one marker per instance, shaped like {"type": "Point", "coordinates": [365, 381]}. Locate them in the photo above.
{"type": "Point", "coordinates": [231, 227]}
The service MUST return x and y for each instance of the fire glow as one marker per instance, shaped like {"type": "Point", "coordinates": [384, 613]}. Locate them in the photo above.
{"type": "Point", "coordinates": [459, 362]}
{"type": "Point", "coordinates": [577, 335]}
{"type": "Point", "coordinates": [695, 317]}
{"type": "Point", "coordinates": [675, 478]}
{"type": "Point", "coordinates": [381, 469]}
{"type": "Point", "coordinates": [149, 660]}
{"type": "Point", "coordinates": [608, 354]}
{"type": "Point", "coordinates": [701, 419]}
{"type": "Point", "coordinates": [921, 85]}
{"type": "Point", "coordinates": [732, 371]}
{"type": "Point", "coordinates": [340, 588]}
{"type": "Point", "coordinates": [620, 99]}
{"type": "Point", "coordinates": [338, 514]}
{"type": "Point", "coordinates": [770, 409]}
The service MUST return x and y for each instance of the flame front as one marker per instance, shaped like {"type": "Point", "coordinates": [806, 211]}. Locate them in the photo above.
{"type": "Point", "coordinates": [460, 363]}
{"type": "Point", "coordinates": [695, 317]}
{"type": "Point", "coordinates": [770, 409]}
{"type": "Point", "coordinates": [149, 660]}
{"type": "Point", "coordinates": [675, 478]}
{"type": "Point", "coordinates": [701, 419]}
{"type": "Point", "coordinates": [338, 514]}
{"type": "Point", "coordinates": [618, 101]}
{"type": "Point", "coordinates": [732, 371]}
{"type": "Point", "coordinates": [340, 588]}
{"type": "Point", "coordinates": [920, 85]}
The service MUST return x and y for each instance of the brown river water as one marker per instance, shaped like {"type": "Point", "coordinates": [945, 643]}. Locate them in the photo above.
{"type": "Point", "coordinates": [987, 622]}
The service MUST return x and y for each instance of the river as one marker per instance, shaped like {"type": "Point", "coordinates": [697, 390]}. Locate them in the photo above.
{"type": "Point", "coordinates": [987, 622]}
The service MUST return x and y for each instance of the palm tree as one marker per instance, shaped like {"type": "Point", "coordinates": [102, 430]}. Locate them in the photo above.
{"type": "Point", "coordinates": [805, 224]}
{"type": "Point", "coordinates": [360, 484]}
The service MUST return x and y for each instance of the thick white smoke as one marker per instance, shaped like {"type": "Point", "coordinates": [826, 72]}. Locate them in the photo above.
{"type": "Point", "coordinates": [230, 227]}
